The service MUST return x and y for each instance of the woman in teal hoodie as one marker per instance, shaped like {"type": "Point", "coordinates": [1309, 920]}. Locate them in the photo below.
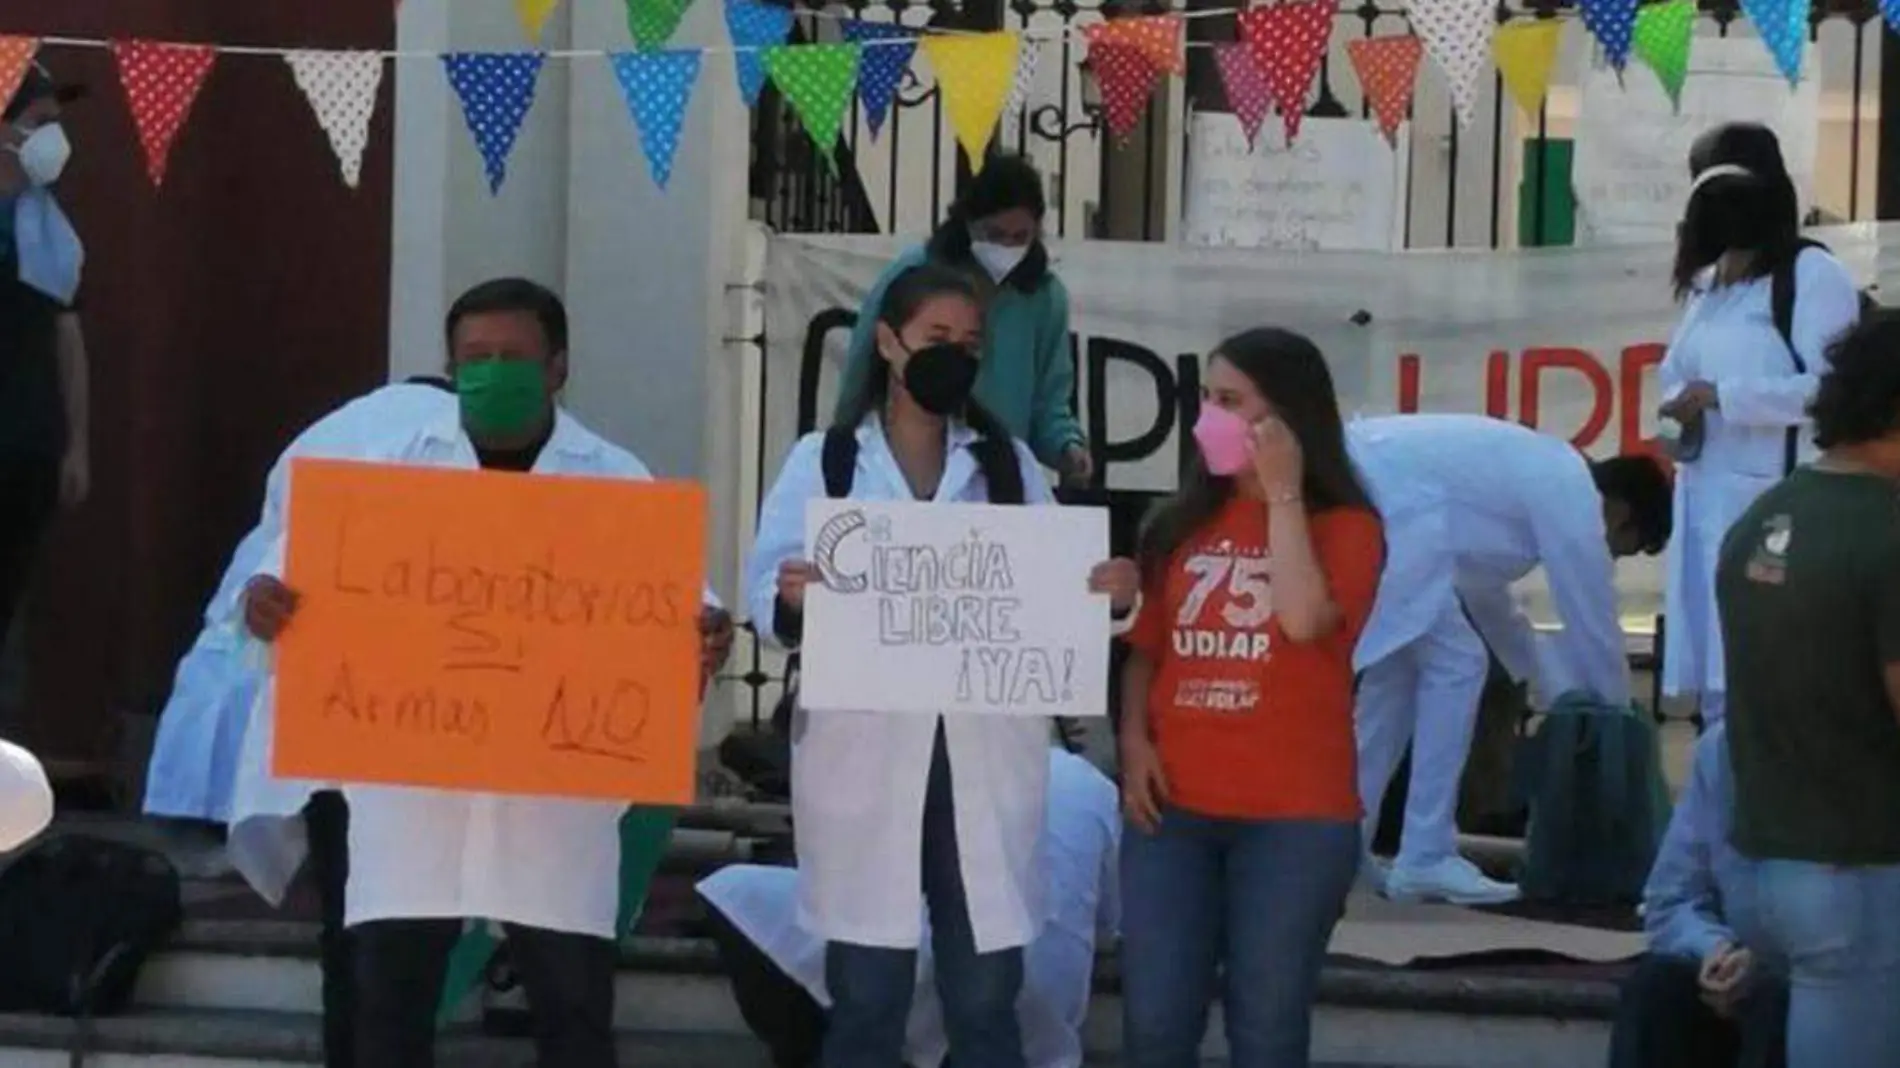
{"type": "Point", "coordinates": [994, 231]}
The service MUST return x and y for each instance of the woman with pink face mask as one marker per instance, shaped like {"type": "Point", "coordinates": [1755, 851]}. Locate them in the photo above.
{"type": "Point", "coordinates": [1238, 757]}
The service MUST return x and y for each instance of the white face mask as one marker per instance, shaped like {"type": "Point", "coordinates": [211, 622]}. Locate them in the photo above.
{"type": "Point", "coordinates": [998, 260]}
{"type": "Point", "coordinates": [44, 154]}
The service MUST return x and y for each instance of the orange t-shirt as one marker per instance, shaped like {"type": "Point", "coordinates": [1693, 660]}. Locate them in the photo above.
{"type": "Point", "coordinates": [1250, 724]}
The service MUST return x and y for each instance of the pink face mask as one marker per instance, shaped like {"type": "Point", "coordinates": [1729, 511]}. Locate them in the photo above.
{"type": "Point", "coordinates": [1223, 438]}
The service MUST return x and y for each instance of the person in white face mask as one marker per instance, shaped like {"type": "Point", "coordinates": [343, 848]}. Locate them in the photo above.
{"type": "Point", "coordinates": [44, 461]}
{"type": "Point", "coordinates": [994, 232]}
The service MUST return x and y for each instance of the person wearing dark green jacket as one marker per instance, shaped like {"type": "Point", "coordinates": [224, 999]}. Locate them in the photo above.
{"type": "Point", "coordinates": [994, 231]}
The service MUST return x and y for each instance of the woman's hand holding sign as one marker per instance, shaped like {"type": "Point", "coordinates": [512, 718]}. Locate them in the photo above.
{"type": "Point", "coordinates": [1120, 578]}
{"type": "Point", "coordinates": [268, 606]}
{"type": "Point", "coordinates": [793, 577]}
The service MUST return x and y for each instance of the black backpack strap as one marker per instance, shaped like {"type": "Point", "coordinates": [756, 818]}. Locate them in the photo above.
{"type": "Point", "coordinates": [1781, 297]}
{"type": "Point", "coordinates": [840, 462]}
{"type": "Point", "coordinates": [996, 458]}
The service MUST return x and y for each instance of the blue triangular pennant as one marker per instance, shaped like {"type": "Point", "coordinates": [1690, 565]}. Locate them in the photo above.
{"type": "Point", "coordinates": [888, 49]}
{"type": "Point", "coordinates": [1783, 26]}
{"type": "Point", "coordinates": [1890, 10]}
{"type": "Point", "coordinates": [496, 90]}
{"type": "Point", "coordinates": [1613, 24]}
{"type": "Point", "coordinates": [755, 27]}
{"type": "Point", "coordinates": [658, 86]}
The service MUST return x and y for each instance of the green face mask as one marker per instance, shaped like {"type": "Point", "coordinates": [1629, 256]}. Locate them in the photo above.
{"type": "Point", "coordinates": [501, 397]}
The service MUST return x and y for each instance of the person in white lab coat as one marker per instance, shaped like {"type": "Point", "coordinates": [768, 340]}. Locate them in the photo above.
{"type": "Point", "coordinates": [872, 792]}
{"type": "Point", "coordinates": [777, 966]}
{"type": "Point", "coordinates": [26, 797]}
{"type": "Point", "coordinates": [422, 861]}
{"type": "Point", "coordinates": [1737, 391]}
{"type": "Point", "coordinates": [1471, 505]}
{"type": "Point", "coordinates": [199, 747]}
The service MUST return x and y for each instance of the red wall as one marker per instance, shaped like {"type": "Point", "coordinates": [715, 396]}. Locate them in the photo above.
{"type": "Point", "coordinates": [223, 312]}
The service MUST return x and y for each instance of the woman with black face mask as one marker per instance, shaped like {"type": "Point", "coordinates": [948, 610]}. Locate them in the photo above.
{"type": "Point", "coordinates": [890, 807]}
{"type": "Point", "coordinates": [1027, 376]}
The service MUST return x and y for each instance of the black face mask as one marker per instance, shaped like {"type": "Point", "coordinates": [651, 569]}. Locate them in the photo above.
{"type": "Point", "coordinates": [940, 377]}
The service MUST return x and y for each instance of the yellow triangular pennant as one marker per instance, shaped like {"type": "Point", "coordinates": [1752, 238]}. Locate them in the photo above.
{"type": "Point", "coordinates": [534, 16]}
{"type": "Point", "coordinates": [1526, 52]}
{"type": "Point", "coordinates": [976, 74]}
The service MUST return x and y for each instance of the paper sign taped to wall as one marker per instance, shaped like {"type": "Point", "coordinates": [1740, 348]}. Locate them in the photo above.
{"type": "Point", "coordinates": [492, 632]}
{"type": "Point", "coordinates": [966, 609]}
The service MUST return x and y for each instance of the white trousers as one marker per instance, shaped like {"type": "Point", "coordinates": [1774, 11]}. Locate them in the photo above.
{"type": "Point", "coordinates": [1426, 694]}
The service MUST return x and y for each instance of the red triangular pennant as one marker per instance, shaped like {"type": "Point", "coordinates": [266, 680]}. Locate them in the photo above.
{"type": "Point", "coordinates": [1158, 37]}
{"type": "Point", "coordinates": [1288, 42]}
{"type": "Point", "coordinates": [161, 82]}
{"type": "Point", "coordinates": [1388, 70]}
{"type": "Point", "coordinates": [1247, 93]}
{"type": "Point", "coordinates": [1127, 79]}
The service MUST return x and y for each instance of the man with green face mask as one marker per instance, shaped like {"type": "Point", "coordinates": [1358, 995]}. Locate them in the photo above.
{"type": "Point", "coordinates": [424, 862]}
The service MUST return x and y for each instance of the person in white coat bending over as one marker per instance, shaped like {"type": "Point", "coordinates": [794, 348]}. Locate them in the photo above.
{"type": "Point", "coordinates": [890, 808]}
{"type": "Point", "coordinates": [1471, 505]}
{"type": "Point", "coordinates": [423, 860]}
{"type": "Point", "coordinates": [1760, 308]}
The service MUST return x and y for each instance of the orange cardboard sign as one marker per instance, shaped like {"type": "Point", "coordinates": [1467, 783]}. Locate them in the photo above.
{"type": "Point", "coordinates": [493, 632]}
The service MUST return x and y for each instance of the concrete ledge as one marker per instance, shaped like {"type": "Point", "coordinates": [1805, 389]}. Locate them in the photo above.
{"type": "Point", "coordinates": [1344, 983]}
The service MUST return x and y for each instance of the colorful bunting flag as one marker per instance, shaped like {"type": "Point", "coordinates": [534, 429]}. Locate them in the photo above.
{"type": "Point", "coordinates": [1127, 79]}
{"type": "Point", "coordinates": [1028, 55]}
{"type": "Point", "coordinates": [1663, 33]}
{"type": "Point", "coordinates": [16, 58]}
{"type": "Point", "coordinates": [341, 88]}
{"type": "Point", "coordinates": [975, 73]}
{"type": "Point", "coordinates": [534, 17]}
{"type": "Point", "coordinates": [1288, 43]}
{"type": "Point", "coordinates": [1458, 35]}
{"type": "Point", "coordinates": [658, 86]}
{"type": "Point", "coordinates": [496, 90]}
{"type": "Point", "coordinates": [1890, 11]}
{"type": "Point", "coordinates": [1526, 53]}
{"type": "Point", "coordinates": [1613, 24]}
{"type": "Point", "coordinates": [1247, 91]}
{"type": "Point", "coordinates": [817, 80]}
{"type": "Point", "coordinates": [1783, 25]}
{"type": "Point", "coordinates": [161, 83]}
{"type": "Point", "coordinates": [755, 26]}
{"type": "Point", "coordinates": [1388, 72]}
{"type": "Point", "coordinates": [654, 22]}
{"type": "Point", "coordinates": [1156, 37]}
{"type": "Point", "coordinates": [882, 68]}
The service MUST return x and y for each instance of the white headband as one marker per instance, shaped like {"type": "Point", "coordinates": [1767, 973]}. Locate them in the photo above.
{"type": "Point", "coordinates": [1720, 170]}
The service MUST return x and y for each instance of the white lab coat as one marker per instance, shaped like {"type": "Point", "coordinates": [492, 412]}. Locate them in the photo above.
{"type": "Point", "coordinates": [1080, 848]}
{"type": "Point", "coordinates": [858, 777]}
{"type": "Point", "coordinates": [1727, 337]}
{"type": "Point", "coordinates": [26, 797]}
{"type": "Point", "coordinates": [551, 863]}
{"type": "Point", "coordinates": [1471, 505]}
{"type": "Point", "coordinates": [201, 731]}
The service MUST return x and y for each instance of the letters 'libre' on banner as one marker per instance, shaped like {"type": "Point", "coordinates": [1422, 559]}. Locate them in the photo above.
{"type": "Point", "coordinates": [492, 632]}
{"type": "Point", "coordinates": [967, 609]}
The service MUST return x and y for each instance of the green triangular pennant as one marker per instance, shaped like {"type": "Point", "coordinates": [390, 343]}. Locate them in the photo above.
{"type": "Point", "coordinates": [654, 22]}
{"type": "Point", "coordinates": [1662, 39]}
{"type": "Point", "coordinates": [820, 81]}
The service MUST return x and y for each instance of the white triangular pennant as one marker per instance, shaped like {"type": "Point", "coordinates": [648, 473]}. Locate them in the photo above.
{"type": "Point", "coordinates": [1014, 114]}
{"type": "Point", "coordinates": [1457, 35]}
{"type": "Point", "coordinates": [342, 88]}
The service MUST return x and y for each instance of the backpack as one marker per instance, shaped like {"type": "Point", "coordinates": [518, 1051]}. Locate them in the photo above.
{"type": "Point", "coordinates": [1781, 297]}
{"type": "Point", "coordinates": [79, 917]}
{"type": "Point", "coordinates": [1592, 778]}
{"type": "Point", "coordinates": [995, 458]}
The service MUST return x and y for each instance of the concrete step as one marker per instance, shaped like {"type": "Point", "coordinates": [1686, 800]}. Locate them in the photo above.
{"type": "Point", "coordinates": [668, 988]}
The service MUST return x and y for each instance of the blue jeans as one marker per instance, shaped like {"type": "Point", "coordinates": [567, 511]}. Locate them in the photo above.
{"type": "Point", "coordinates": [1837, 932]}
{"type": "Point", "coordinates": [871, 986]}
{"type": "Point", "coordinates": [1254, 901]}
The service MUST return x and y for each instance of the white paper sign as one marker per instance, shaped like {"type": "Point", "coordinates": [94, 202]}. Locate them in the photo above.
{"type": "Point", "coordinates": [1632, 164]}
{"type": "Point", "coordinates": [955, 609]}
{"type": "Point", "coordinates": [1337, 187]}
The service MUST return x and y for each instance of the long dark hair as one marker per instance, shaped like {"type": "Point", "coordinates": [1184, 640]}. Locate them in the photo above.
{"type": "Point", "coordinates": [903, 298]}
{"type": "Point", "coordinates": [1754, 212]}
{"type": "Point", "coordinates": [1004, 184]}
{"type": "Point", "coordinates": [1289, 372]}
